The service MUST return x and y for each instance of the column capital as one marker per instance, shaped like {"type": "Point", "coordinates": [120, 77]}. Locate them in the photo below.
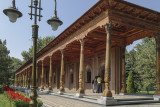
{"type": "Point", "coordinates": [62, 51]}
{"type": "Point", "coordinates": [82, 41]}
{"type": "Point", "coordinates": [42, 61]}
{"type": "Point", "coordinates": [51, 59]}
{"type": "Point", "coordinates": [50, 56]}
{"type": "Point", "coordinates": [108, 27]}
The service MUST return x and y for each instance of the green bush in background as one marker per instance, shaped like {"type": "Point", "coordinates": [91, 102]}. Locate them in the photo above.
{"type": "Point", "coordinates": [130, 84]}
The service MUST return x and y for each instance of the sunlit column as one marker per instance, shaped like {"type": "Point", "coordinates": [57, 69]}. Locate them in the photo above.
{"type": "Point", "coordinates": [15, 80]}
{"type": "Point", "coordinates": [42, 78]}
{"type": "Point", "coordinates": [23, 79]}
{"type": "Point", "coordinates": [123, 90]}
{"type": "Point", "coordinates": [62, 72]}
{"type": "Point", "coordinates": [81, 67]}
{"type": "Point", "coordinates": [26, 78]}
{"type": "Point", "coordinates": [37, 75]}
{"type": "Point", "coordinates": [50, 74]}
{"type": "Point", "coordinates": [107, 92]}
{"type": "Point", "coordinates": [29, 77]}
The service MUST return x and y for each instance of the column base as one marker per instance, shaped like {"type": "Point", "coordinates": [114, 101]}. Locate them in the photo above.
{"type": "Point", "coordinates": [107, 101]}
{"type": "Point", "coordinates": [107, 93]}
{"type": "Point", "coordinates": [61, 89]}
{"type": "Point", "coordinates": [50, 88]}
{"type": "Point", "coordinates": [42, 88]}
{"type": "Point", "coordinates": [81, 91]}
{"type": "Point", "coordinates": [79, 95]}
{"type": "Point", "coordinates": [60, 92]}
{"type": "Point", "coordinates": [157, 92]}
{"type": "Point", "coordinates": [122, 93]}
{"type": "Point", "coordinates": [156, 97]}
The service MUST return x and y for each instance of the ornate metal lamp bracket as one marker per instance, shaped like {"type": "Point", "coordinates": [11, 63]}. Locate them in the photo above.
{"type": "Point", "coordinates": [34, 7]}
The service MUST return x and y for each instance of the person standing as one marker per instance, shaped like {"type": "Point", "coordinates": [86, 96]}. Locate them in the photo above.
{"type": "Point", "coordinates": [99, 85]}
{"type": "Point", "coordinates": [94, 83]}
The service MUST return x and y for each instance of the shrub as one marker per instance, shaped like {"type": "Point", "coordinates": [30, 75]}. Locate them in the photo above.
{"type": "Point", "coordinates": [18, 98]}
{"type": "Point", "coordinates": [20, 103]}
{"type": "Point", "coordinates": [1, 89]}
{"type": "Point", "coordinates": [130, 84]}
{"type": "Point", "coordinates": [40, 103]}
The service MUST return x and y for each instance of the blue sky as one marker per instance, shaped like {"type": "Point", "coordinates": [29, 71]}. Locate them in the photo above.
{"type": "Point", "coordinates": [18, 35]}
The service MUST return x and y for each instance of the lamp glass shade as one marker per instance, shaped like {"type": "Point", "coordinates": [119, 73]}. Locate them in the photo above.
{"type": "Point", "coordinates": [54, 25]}
{"type": "Point", "coordinates": [12, 16]}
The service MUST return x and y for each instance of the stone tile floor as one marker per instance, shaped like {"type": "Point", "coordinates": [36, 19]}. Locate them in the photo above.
{"type": "Point", "coordinates": [57, 101]}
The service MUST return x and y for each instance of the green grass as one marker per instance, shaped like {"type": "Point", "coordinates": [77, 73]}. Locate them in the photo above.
{"type": "Point", "coordinates": [4, 102]}
{"type": "Point", "coordinates": [145, 92]}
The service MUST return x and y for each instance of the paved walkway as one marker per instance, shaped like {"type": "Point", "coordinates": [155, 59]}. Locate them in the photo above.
{"type": "Point", "coordinates": [58, 101]}
{"type": "Point", "coordinates": [55, 101]}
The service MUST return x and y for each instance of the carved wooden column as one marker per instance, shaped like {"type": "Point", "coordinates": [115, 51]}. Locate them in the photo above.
{"type": "Point", "coordinates": [107, 92]}
{"type": "Point", "coordinates": [157, 92]}
{"type": "Point", "coordinates": [18, 80]}
{"type": "Point", "coordinates": [50, 74]}
{"type": "Point", "coordinates": [21, 80]}
{"type": "Point", "coordinates": [42, 78]}
{"type": "Point", "coordinates": [62, 72]}
{"type": "Point", "coordinates": [29, 77]}
{"type": "Point", "coordinates": [37, 75]}
{"type": "Point", "coordinates": [81, 69]}
{"type": "Point", "coordinates": [15, 80]}
{"type": "Point", "coordinates": [26, 78]}
{"type": "Point", "coordinates": [123, 90]}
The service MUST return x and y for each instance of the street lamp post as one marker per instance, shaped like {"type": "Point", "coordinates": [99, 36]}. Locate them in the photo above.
{"type": "Point", "coordinates": [13, 14]}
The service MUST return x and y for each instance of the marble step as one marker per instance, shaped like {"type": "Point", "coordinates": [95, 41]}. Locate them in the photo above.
{"type": "Point", "coordinates": [134, 99]}
{"type": "Point", "coordinates": [134, 102]}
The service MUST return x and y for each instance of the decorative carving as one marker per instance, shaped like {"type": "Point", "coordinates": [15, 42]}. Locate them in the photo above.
{"type": "Point", "coordinates": [107, 92]}
{"type": "Point", "coordinates": [37, 75]}
{"type": "Point", "coordinates": [50, 74]}
{"type": "Point", "coordinates": [42, 78]}
{"type": "Point", "coordinates": [62, 72]}
{"type": "Point", "coordinates": [81, 67]}
{"type": "Point", "coordinates": [123, 90]}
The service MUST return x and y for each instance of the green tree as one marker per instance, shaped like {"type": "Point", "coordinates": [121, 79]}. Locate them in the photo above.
{"type": "Point", "coordinates": [130, 84]}
{"type": "Point", "coordinates": [146, 63]}
{"type": "Point", "coordinates": [41, 43]}
{"type": "Point", "coordinates": [15, 64]}
{"type": "Point", "coordinates": [5, 62]}
{"type": "Point", "coordinates": [130, 61]}
{"type": "Point", "coordinates": [141, 61]}
{"type": "Point", "coordinates": [130, 67]}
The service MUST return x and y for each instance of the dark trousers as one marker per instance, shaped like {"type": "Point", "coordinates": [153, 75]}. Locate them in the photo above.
{"type": "Point", "coordinates": [99, 87]}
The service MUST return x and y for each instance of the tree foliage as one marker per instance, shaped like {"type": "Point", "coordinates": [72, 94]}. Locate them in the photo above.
{"type": "Point", "coordinates": [41, 43]}
{"type": "Point", "coordinates": [130, 83]}
{"type": "Point", "coordinates": [15, 64]}
{"type": "Point", "coordinates": [141, 61]}
{"type": "Point", "coordinates": [5, 62]}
